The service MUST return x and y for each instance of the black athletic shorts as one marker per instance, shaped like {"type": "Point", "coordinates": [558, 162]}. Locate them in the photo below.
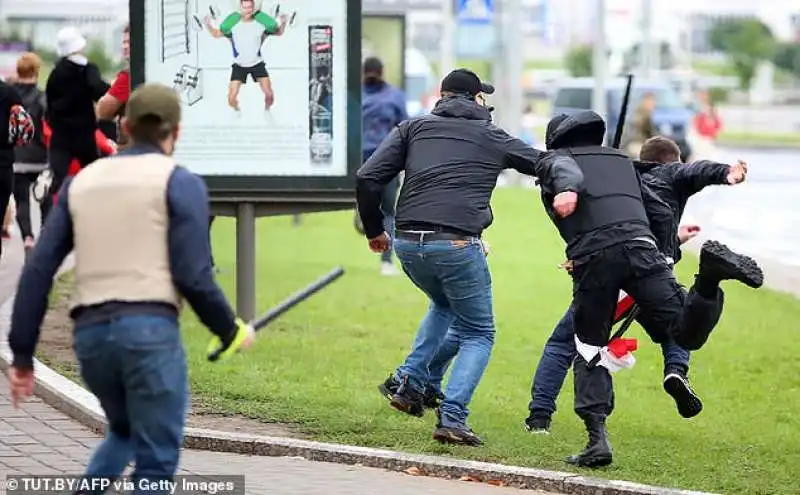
{"type": "Point", "coordinates": [239, 73]}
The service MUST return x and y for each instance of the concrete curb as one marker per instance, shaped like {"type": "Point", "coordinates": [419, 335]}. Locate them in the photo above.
{"type": "Point", "coordinates": [73, 400]}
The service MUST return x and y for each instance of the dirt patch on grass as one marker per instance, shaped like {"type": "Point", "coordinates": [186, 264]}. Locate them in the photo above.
{"type": "Point", "coordinates": [55, 350]}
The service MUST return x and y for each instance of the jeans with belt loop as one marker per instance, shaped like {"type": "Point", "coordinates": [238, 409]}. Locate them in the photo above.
{"type": "Point", "coordinates": [455, 276]}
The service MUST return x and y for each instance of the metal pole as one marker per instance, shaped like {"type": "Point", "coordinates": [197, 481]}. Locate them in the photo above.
{"type": "Point", "coordinates": [515, 65]}
{"type": "Point", "coordinates": [600, 61]}
{"type": "Point", "coordinates": [646, 45]}
{"type": "Point", "coordinates": [446, 55]}
{"type": "Point", "coordinates": [246, 261]}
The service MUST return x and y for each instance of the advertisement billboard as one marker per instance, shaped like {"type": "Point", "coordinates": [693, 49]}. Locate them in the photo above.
{"type": "Point", "coordinates": [271, 90]}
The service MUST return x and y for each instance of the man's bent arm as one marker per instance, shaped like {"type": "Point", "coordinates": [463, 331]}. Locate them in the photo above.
{"type": "Point", "coordinates": [560, 173]}
{"type": "Point", "coordinates": [190, 253]}
{"type": "Point", "coordinates": [371, 179]}
{"type": "Point", "coordinates": [30, 303]}
{"type": "Point", "coordinates": [693, 177]}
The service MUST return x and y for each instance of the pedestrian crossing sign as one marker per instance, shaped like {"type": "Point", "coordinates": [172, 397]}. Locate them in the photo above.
{"type": "Point", "coordinates": [475, 11]}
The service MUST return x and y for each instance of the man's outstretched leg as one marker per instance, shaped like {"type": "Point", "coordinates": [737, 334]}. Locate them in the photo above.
{"type": "Point", "coordinates": [557, 357]}
{"type": "Point", "coordinates": [703, 306]}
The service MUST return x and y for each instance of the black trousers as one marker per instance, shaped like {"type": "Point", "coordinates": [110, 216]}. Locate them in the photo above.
{"type": "Point", "coordinates": [59, 160]}
{"type": "Point", "coordinates": [6, 189]}
{"type": "Point", "coordinates": [668, 313]}
{"type": "Point", "coordinates": [22, 195]}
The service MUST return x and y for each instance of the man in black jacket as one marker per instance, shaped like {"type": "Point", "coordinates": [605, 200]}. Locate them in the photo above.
{"type": "Point", "coordinates": [673, 182]}
{"type": "Point", "coordinates": [451, 159]}
{"type": "Point", "coordinates": [611, 246]}
{"type": "Point", "coordinates": [74, 86]}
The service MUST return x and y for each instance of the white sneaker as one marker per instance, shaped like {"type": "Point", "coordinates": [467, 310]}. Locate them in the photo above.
{"type": "Point", "coordinates": [388, 269]}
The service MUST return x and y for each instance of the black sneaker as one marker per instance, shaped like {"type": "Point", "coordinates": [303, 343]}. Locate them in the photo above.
{"type": "Point", "coordinates": [688, 403]}
{"type": "Point", "coordinates": [538, 424]}
{"type": "Point", "coordinates": [455, 435]}
{"type": "Point", "coordinates": [431, 398]}
{"type": "Point", "coordinates": [389, 387]}
{"type": "Point", "coordinates": [407, 400]}
{"type": "Point", "coordinates": [717, 260]}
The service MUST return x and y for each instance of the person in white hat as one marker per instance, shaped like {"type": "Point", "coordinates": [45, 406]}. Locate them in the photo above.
{"type": "Point", "coordinates": [73, 88]}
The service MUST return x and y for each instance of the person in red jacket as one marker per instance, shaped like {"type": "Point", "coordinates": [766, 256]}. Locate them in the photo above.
{"type": "Point", "coordinates": [707, 122]}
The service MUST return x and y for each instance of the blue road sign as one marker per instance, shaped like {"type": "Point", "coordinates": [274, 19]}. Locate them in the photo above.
{"type": "Point", "coordinates": [475, 11]}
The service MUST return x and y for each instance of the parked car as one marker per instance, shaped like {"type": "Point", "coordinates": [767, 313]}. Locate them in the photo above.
{"type": "Point", "coordinates": [671, 117]}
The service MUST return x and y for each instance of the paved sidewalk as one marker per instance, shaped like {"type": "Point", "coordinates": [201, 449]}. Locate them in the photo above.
{"type": "Point", "coordinates": [37, 439]}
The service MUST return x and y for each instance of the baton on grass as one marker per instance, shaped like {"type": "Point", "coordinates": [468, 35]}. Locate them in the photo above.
{"type": "Point", "coordinates": [287, 304]}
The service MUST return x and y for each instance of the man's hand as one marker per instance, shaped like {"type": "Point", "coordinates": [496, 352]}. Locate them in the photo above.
{"type": "Point", "coordinates": [737, 173]}
{"type": "Point", "coordinates": [565, 203]}
{"type": "Point", "coordinates": [687, 232]}
{"type": "Point", "coordinates": [21, 381]}
{"type": "Point", "coordinates": [485, 247]}
{"type": "Point", "coordinates": [567, 265]}
{"type": "Point", "coordinates": [242, 338]}
{"type": "Point", "coordinates": [380, 244]}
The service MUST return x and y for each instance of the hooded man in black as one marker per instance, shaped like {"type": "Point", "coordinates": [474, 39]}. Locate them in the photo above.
{"type": "Point", "coordinates": [613, 246]}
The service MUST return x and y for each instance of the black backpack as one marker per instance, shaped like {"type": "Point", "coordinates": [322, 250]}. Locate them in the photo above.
{"type": "Point", "coordinates": [35, 102]}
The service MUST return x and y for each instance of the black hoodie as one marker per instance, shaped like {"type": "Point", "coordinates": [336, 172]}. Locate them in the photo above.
{"type": "Point", "coordinates": [675, 183]}
{"type": "Point", "coordinates": [9, 97]}
{"type": "Point", "coordinates": [34, 101]}
{"type": "Point", "coordinates": [588, 129]}
{"type": "Point", "coordinates": [451, 159]}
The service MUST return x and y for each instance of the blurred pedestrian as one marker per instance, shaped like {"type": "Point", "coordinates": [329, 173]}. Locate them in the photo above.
{"type": "Point", "coordinates": [643, 126]}
{"type": "Point", "coordinates": [29, 160]}
{"type": "Point", "coordinates": [112, 105]}
{"type": "Point", "coordinates": [383, 107]}
{"type": "Point", "coordinates": [16, 129]}
{"type": "Point", "coordinates": [73, 88]}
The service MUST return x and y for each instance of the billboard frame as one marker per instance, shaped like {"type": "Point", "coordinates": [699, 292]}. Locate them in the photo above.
{"type": "Point", "coordinates": [319, 190]}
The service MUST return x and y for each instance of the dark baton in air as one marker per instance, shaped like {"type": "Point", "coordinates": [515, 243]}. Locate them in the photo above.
{"type": "Point", "coordinates": [287, 304]}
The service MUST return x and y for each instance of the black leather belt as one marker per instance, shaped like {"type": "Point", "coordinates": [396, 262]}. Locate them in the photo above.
{"type": "Point", "coordinates": [432, 236]}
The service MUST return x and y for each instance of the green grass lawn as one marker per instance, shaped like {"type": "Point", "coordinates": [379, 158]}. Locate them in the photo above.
{"type": "Point", "coordinates": [742, 138]}
{"type": "Point", "coordinates": [320, 364]}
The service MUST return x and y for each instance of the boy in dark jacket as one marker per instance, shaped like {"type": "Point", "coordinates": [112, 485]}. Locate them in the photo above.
{"type": "Point", "coordinates": [73, 88]}
{"type": "Point", "coordinates": [29, 160]}
{"type": "Point", "coordinates": [674, 183]}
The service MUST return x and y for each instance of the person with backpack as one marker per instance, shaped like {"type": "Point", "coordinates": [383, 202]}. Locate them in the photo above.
{"type": "Point", "coordinates": [29, 160]}
{"type": "Point", "coordinates": [16, 129]}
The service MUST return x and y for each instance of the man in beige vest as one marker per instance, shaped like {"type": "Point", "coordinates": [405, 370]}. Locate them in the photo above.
{"type": "Point", "coordinates": [138, 224]}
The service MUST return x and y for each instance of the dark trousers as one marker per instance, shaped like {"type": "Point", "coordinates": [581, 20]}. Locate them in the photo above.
{"type": "Point", "coordinates": [667, 313]}
{"type": "Point", "coordinates": [22, 195]}
{"type": "Point", "coordinates": [6, 189]}
{"type": "Point", "coordinates": [59, 160]}
{"type": "Point", "coordinates": [136, 366]}
{"type": "Point", "coordinates": [559, 353]}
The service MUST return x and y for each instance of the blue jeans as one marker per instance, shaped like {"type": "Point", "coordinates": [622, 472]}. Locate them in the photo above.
{"type": "Point", "coordinates": [455, 276]}
{"type": "Point", "coordinates": [136, 366]}
{"type": "Point", "coordinates": [558, 355]}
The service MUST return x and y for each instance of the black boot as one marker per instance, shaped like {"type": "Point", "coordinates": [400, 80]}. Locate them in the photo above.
{"type": "Point", "coordinates": [598, 451]}
{"type": "Point", "coordinates": [718, 262]}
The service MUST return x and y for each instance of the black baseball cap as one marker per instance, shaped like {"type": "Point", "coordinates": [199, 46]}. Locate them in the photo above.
{"type": "Point", "coordinates": [373, 65]}
{"type": "Point", "coordinates": [464, 81]}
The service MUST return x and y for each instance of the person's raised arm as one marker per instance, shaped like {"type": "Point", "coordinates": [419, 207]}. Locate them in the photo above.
{"type": "Point", "coordinates": [371, 179]}
{"type": "Point", "coordinates": [692, 177]}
